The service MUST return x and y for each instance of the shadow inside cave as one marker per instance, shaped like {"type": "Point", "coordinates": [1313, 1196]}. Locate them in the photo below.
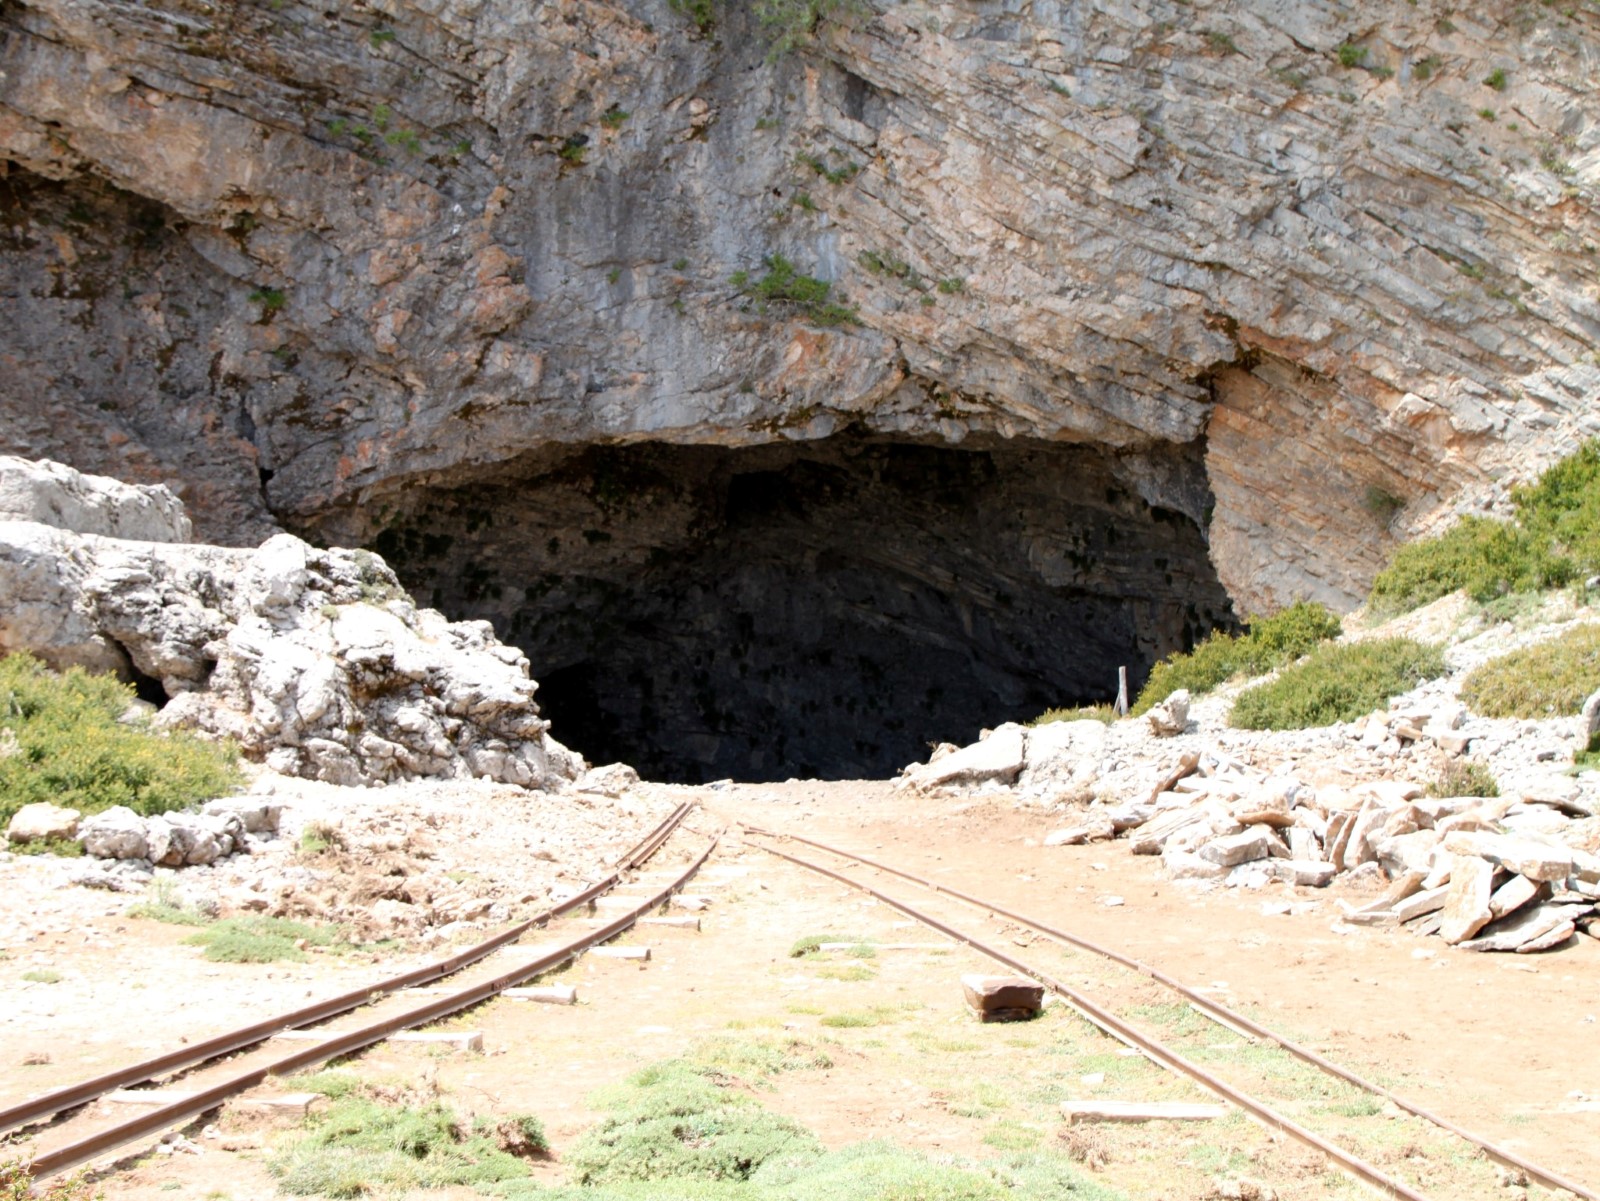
{"type": "Point", "coordinates": [826, 609]}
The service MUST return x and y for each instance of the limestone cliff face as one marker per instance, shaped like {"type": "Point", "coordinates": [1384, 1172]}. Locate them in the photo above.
{"type": "Point", "coordinates": [303, 258]}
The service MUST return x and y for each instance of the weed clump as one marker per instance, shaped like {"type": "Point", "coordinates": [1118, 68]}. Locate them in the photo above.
{"type": "Point", "coordinates": [1337, 683]}
{"type": "Point", "coordinates": [1268, 643]}
{"type": "Point", "coordinates": [1464, 777]}
{"type": "Point", "coordinates": [1101, 713]}
{"type": "Point", "coordinates": [1547, 680]}
{"type": "Point", "coordinates": [1552, 540]}
{"type": "Point", "coordinates": [16, 1184]}
{"type": "Point", "coordinates": [674, 1121]}
{"type": "Point", "coordinates": [258, 939]}
{"type": "Point", "coordinates": [361, 1146]}
{"type": "Point", "coordinates": [71, 749]}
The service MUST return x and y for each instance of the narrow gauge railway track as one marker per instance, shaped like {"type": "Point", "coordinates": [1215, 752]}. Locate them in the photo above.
{"type": "Point", "coordinates": [196, 1057]}
{"type": "Point", "coordinates": [1117, 1028]}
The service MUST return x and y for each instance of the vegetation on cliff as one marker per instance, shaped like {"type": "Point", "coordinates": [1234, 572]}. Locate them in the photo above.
{"type": "Point", "coordinates": [1552, 539]}
{"type": "Point", "coordinates": [62, 740]}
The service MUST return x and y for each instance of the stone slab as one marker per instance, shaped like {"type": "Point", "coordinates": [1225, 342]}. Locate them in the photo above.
{"type": "Point", "coordinates": [1466, 904]}
{"type": "Point", "coordinates": [620, 952]}
{"type": "Point", "coordinates": [988, 994]}
{"type": "Point", "coordinates": [1140, 1111]}
{"type": "Point", "coordinates": [1513, 894]}
{"type": "Point", "coordinates": [1526, 928]}
{"type": "Point", "coordinates": [551, 994]}
{"type": "Point", "coordinates": [1536, 860]}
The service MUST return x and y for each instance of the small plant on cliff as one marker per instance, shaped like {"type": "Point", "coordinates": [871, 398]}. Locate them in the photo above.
{"type": "Point", "coordinates": [1552, 540]}
{"type": "Point", "coordinates": [1268, 643]}
{"type": "Point", "coordinates": [1337, 683]}
{"type": "Point", "coordinates": [270, 299]}
{"type": "Point", "coordinates": [1351, 55]}
{"type": "Point", "coordinates": [1496, 79]}
{"type": "Point", "coordinates": [71, 749]}
{"type": "Point", "coordinates": [701, 13]}
{"type": "Point", "coordinates": [782, 284]}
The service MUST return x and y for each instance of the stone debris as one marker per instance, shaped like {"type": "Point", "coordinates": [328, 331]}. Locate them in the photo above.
{"type": "Point", "coordinates": [1340, 806]}
{"type": "Point", "coordinates": [179, 839]}
{"type": "Point", "coordinates": [1171, 716]}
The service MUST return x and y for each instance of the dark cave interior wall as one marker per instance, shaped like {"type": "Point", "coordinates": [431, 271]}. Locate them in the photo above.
{"type": "Point", "coordinates": [827, 608]}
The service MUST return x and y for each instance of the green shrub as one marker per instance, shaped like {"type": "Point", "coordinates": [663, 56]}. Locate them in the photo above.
{"type": "Point", "coordinates": [784, 285]}
{"type": "Point", "coordinates": [1337, 683]}
{"type": "Point", "coordinates": [1269, 643]}
{"type": "Point", "coordinates": [162, 905]}
{"type": "Point", "coordinates": [1464, 777]}
{"type": "Point", "coordinates": [72, 751]}
{"type": "Point", "coordinates": [359, 1147]}
{"type": "Point", "coordinates": [1553, 539]}
{"type": "Point", "coordinates": [1496, 79]}
{"type": "Point", "coordinates": [1351, 55]}
{"type": "Point", "coordinates": [1549, 679]}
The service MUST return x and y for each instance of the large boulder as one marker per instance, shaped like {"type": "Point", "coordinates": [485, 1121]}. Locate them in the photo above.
{"type": "Point", "coordinates": [315, 661]}
{"type": "Point", "coordinates": [54, 494]}
{"type": "Point", "coordinates": [42, 822]}
{"type": "Point", "coordinates": [117, 833]}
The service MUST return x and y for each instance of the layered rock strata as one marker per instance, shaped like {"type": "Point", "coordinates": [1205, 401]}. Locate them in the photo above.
{"type": "Point", "coordinates": [302, 257]}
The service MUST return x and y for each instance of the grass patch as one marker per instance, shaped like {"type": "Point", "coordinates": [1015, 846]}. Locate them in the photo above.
{"type": "Point", "coordinates": [164, 906]}
{"type": "Point", "coordinates": [674, 1120]}
{"type": "Point", "coordinates": [72, 751]}
{"type": "Point", "coordinates": [850, 973]}
{"type": "Point", "coordinates": [1102, 713]}
{"type": "Point", "coordinates": [258, 939]}
{"type": "Point", "coordinates": [1552, 539]}
{"type": "Point", "coordinates": [1268, 643]}
{"type": "Point", "coordinates": [1464, 777]}
{"type": "Point", "coordinates": [1337, 683]}
{"type": "Point", "coordinates": [360, 1147]}
{"type": "Point", "coordinates": [333, 1083]}
{"type": "Point", "coordinates": [42, 975]}
{"type": "Point", "coordinates": [1550, 679]}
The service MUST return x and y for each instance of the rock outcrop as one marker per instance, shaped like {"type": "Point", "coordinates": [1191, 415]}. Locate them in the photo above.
{"type": "Point", "coordinates": [315, 661]}
{"type": "Point", "coordinates": [304, 259]}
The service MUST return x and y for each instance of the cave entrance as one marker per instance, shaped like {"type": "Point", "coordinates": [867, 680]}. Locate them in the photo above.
{"type": "Point", "coordinates": [825, 609]}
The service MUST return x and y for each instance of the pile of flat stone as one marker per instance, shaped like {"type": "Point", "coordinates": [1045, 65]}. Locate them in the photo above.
{"type": "Point", "coordinates": [222, 828]}
{"type": "Point", "coordinates": [1484, 873]}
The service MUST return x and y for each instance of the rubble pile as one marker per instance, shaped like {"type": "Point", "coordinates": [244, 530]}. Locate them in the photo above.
{"type": "Point", "coordinates": [1306, 808]}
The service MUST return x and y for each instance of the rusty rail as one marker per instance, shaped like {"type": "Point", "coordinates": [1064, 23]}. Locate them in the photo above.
{"type": "Point", "coordinates": [94, 1145]}
{"type": "Point", "coordinates": [73, 1095]}
{"type": "Point", "coordinates": [1210, 1008]}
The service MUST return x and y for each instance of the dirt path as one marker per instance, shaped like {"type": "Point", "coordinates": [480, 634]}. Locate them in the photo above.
{"type": "Point", "coordinates": [880, 1043]}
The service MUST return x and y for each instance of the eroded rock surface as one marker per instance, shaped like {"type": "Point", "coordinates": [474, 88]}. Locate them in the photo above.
{"type": "Point", "coordinates": [314, 660]}
{"type": "Point", "coordinates": [303, 257]}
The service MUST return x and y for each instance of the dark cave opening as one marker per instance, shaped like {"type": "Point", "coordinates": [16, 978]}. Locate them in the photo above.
{"type": "Point", "coordinates": [827, 609]}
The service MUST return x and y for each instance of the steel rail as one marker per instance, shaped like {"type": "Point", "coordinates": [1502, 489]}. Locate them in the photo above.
{"type": "Point", "coordinates": [1222, 1015]}
{"type": "Point", "coordinates": [73, 1095]}
{"type": "Point", "coordinates": [94, 1145]}
{"type": "Point", "coordinates": [1117, 1028]}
